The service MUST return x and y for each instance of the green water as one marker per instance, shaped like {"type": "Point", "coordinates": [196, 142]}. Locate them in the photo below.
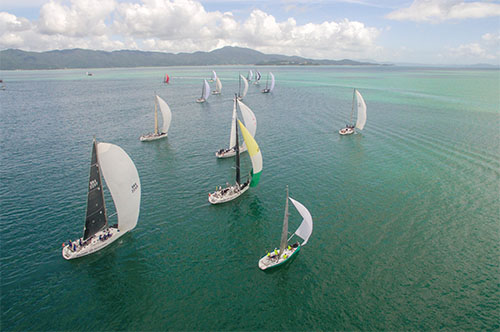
{"type": "Point", "coordinates": [406, 213]}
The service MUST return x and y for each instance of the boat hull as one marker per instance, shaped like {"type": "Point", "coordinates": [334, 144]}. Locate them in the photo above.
{"type": "Point", "coordinates": [93, 244]}
{"type": "Point", "coordinates": [200, 100]}
{"type": "Point", "coordinates": [346, 131]}
{"type": "Point", "coordinates": [229, 153]}
{"type": "Point", "coordinates": [223, 196]}
{"type": "Point", "coordinates": [152, 137]}
{"type": "Point", "coordinates": [215, 92]}
{"type": "Point", "coordinates": [270, 262]}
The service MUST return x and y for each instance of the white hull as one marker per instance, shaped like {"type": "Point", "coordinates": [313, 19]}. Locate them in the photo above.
{"type": "Point", "coordinates": [152, 137]}
{"type": "Point", "coordinates": [346, 131]}
{"type": "Point", "coordinates": [93, 244]}
{"type": "Point", "coordinates": [266, 91]}
{"type": "Point", "coordinates": [215, 92]}
{"type": "Point", "coordinates": [200, 100]}
{"type": "Point", "coordinates": [229, 152]}
{"type": "Point", "coordinates": [270, 261]}
{"type": "Point", "coordinates": [227, 194]}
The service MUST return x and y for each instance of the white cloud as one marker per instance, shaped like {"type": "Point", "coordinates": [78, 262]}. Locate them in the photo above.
{"type": "Point", "coordinates": [487, 49]}
{"type": "Point", "coordinates": [180, 26]}
{"type": "Point", "coordinates": [440, 10]}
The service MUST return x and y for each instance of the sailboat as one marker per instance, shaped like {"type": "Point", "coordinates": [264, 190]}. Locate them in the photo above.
{"type": "Point", "coordinates": [245, 88]}
{"type": "Point", "coordinates": [230, 192]}
{"type": "Point", "coordinates": [123, 182]}
{"type": "Point", "coordinates": [166, 80]}
{"type": "Point", "coordinates": [270, 88]}
{"type": "Point", "coordinates": [361, 119]}
{"type": "Point", "coordinates": [286, 252]}
{"type": "Point", "coordinates": [205, 92]}
{"type": "Point", "coordinates": [167, 118]}
{"type": "Point", "coordinates": [214, 76]}
{"type": "Point", "coordinates": [251, 124]}
{"type": "Point", "coordinates": [250, 75]}
{"type": "Point", "coordinates": [257, 77]}
{"type": "Point", "coordinates": [218, 87]}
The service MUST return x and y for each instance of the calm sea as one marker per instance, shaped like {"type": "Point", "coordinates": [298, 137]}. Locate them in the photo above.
{"type": "Point", "coordinates": [406, 213]}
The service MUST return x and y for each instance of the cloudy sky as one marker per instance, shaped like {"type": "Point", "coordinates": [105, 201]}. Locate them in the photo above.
{"type": "Point", "coordinates": [399, 31]}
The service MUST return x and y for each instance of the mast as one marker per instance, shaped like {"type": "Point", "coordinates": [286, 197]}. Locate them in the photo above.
{"type": "Point", "coordinates": [237, 150]}
{"type": "Point", "coordinates": [95, 218]}
{"type": "Point", "coordinates": [352, 111]}
{"type": "Point", "coordinates": [284, 232]}
{"type": "Point", "coordinates": [156, 116]}
{"type": "Point", "coordinates": [239, 84]}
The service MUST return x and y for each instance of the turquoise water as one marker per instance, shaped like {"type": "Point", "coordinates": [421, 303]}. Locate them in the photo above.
{"type": "Point", "coordinates": [406, 213]}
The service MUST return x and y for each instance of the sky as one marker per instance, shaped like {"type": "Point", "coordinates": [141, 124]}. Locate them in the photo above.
{"type": "Point", "coordinates": [441, 32]}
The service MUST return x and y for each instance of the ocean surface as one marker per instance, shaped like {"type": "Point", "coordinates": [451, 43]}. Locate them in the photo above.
{"type": "Point", "coordinates": [406, 212]}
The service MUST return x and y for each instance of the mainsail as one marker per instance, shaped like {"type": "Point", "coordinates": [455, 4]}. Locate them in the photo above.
{"type": "Point", "coordinates": [255, 155]}
{"type": "Point", "coordinates": [360, 122]}
{"type": "Point", "coordinates": [123, 182]}
{"type": "Point", "coordinates": [284, 232]}
{"type": "Point", "coordinates": [206, 90]}
{"type": "Point", "coordinates": [232, 138]}
{"type": "Point", "coordinates": [214, 75]}
{"type": "Point", "coordinates": [95, 218]}
{"type": "Point", "coordinates": [245, 88]}
{"type": "Point", "coordinates": [306, 227]}
{"type": "Point", "coordinates": [166, 114]}
{"type": "Point", "coordinates": [272, 82]}
{"type": "Point", "coordinates": [218, 85]}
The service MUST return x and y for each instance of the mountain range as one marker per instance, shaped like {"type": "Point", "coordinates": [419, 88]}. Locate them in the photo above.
{"type": "Point", "coordinates": [13, 59]}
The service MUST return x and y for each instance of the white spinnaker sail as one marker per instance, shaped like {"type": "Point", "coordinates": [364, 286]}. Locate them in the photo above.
{"type": "Point", "coordinates": [166, 114]}
{"type": "Point", "coordinates": [218, 85]}
{"type": "Point", "coordinates": [249, 118]}
{"type": "Point", "coordinates": [272, 82]}
{"type": "Point", "coordinates": [123, 182]}
{"type": "Point", "coordinates": [245, 89]}
{"type": "Point", "coordinates": [306, 227]}
{"type": "Point", "coordinates": [360, 122]}
{"type": "Point", "coordinates": [232, 138]}
{"type": "Point", "coordinates": [206, 90]}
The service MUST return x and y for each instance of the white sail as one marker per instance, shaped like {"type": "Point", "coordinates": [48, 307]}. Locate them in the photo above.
{"type": "Point", "coordinates": [166, 114]}
{"type": "Point", "coordinates": [206, 90]}
{"type": "Point", "coordinates": [284, 231]}
{"type": "Point", "coordinates": [272, 82]}
{"type": "Point", "coordinates": [214, 75]}
{"type": "Point", "coordinates": [360, 122]}
{"type": "Point", "coordinates": [232, 138]}
{"type": "Point", "coordinates": [245, 89]}
{"type": "Point", "coordinates": [306, 227]}
{"type": "Point", "coordinates": [248, 118]}
{"type": "Point", "coordinates": [218, 85]}
{"type": "Point", "coordinates": [123, 182]}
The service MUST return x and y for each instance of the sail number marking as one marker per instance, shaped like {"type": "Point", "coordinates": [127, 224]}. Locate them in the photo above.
{"type": "Point", "coordinates": [93, 184]}
{"type": "Point", "coordinates": [135, 186]}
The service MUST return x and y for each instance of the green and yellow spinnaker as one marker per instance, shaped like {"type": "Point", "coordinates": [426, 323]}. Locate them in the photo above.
{"type": "Point", "coordinates": [255, 155]}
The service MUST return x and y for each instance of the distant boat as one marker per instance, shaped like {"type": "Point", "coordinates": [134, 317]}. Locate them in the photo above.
{"type": "Point", "coordinates": [257, 77]}
{"type": "Point", "coordinates": [250, 75]}
{"type": "Point", "coordinates": [123, 182]}
{"type": "Point", "coordinates": [286, 252]}
{"type": "Point", "coordinates": [218, 87]}
{"type": "Point", "coordinates": [361, 117]}
{"type": "Point", "coordinates": [214, 76]}
{"type": "Point", "coordinates": [88, 74]}
{"type": "Point", "coordinates": [245, 88]}
{"type": "Point", "coordinates": [270, 88]}
{"type": "Point", "coordinates": [167, 118]}
{"type": "Point", "coordinates": [230, 192]}
{"type": "Point", "coordinates": [205, 92]}
{"type": "Point", "coordinates": [166, 80]}
{"type": "Point", "coordinates": [251, 124]}
{"type": "Point", "coordinates": [2, 87]}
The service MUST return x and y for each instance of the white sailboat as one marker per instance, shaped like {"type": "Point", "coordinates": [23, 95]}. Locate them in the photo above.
{"type": "Point", "coordinates": [123, 182]}
{"type": "Point", "coordinates": [218, 87]}
{"type": "Point", "coordinates": [271, 87]}
{"type": "Point", "coordinates": [250, 122]}
{"type": "Point", "coordinates": [250, 75]}
{"type": "Point", "coordinates": [230, 192]}
{"type": "Point", "coordinates": [258, 76]}
{"type": "Point", "coordinates": [361, 118]}
{"type": "Point", "coordinates": [205, 92]}
{"type": "Point", "coordinates": [245, 88]}
{"type": "Point", "coordinates": [286, 251]}
{"type": "Point", "coordinates": [214, 76]}
{"type": "Point", "coordinates": [167, 118]}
